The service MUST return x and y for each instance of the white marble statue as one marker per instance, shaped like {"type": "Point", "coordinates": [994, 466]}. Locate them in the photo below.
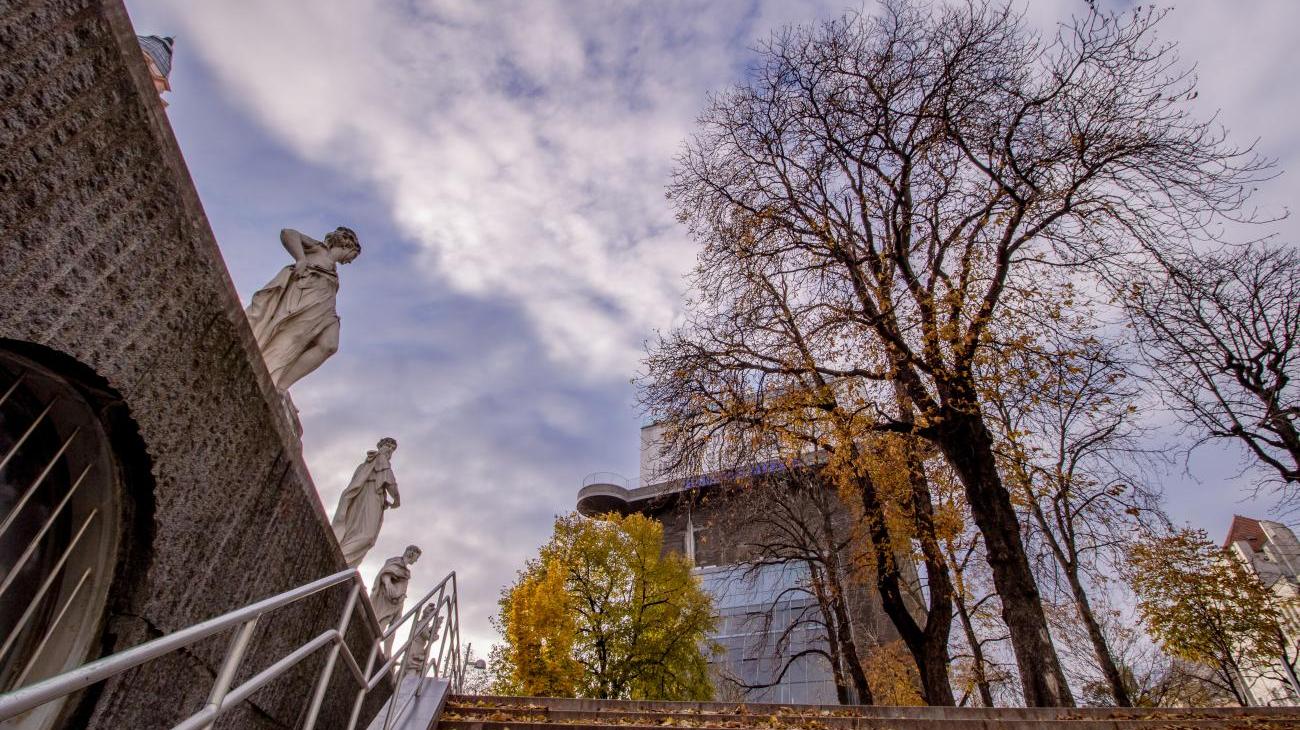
{"type": "Point", "coordinates": [424, 638]}
{"type": "Point", "coordinates": [293, 316]}
{"type": "Point", "coordinates": [360, 513]}
{"type": "Point", "coordinates": [389, 590]}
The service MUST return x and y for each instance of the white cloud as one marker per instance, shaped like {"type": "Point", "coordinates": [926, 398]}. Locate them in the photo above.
{"type": "Point", "coordinates": [524, 146]}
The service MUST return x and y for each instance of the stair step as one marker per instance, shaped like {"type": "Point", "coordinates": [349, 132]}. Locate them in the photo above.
{"type": "Point", "coordinates": [569, 710]}
{"type": "Point", "coordinates": [822, 719]}
{"type": "Point", "coordinates": [1238, 723]}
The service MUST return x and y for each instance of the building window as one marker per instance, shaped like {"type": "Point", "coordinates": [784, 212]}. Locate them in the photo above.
{"type": "Point", "coordinates": [59, 523]}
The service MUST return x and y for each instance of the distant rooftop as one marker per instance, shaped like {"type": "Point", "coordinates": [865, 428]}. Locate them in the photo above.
{"type": "Point", "coordinates": [1248, 529]}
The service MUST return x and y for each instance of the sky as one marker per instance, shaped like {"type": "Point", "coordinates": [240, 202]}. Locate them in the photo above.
{"type": "Point", "coordinates": [504, 164]}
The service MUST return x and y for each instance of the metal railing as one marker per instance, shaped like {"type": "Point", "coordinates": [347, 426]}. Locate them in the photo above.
{"type": "Point", "coordinates": [56, 527]}
{"type": "Point", "coordinates": [448, 663]}
{"type": "Point", "coordinates": [608, 477]}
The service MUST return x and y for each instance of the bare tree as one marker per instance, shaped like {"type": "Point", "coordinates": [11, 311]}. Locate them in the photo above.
{"type": "Point", "coordinates": [1221, 333]}
{"type": "Point", "coordinates": [976, 666]}
{"type": "Point", "coordinates": [1071, 448]}
{"type": "Point", "coordinates": [1152, 677]}
{"type": "Point", "coordinates": [724, 404]}
{"type": "Point", "coordinates": [898, 173]}
{"type": "Point", "coordinates": [795, 520]}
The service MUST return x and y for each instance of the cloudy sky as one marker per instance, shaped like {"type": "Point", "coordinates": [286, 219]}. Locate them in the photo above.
{"type": "Point", "coordinates": [504, 165]}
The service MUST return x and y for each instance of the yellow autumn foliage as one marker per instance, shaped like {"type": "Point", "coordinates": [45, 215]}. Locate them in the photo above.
{"type": "Point", "coordinates": [604, 612]}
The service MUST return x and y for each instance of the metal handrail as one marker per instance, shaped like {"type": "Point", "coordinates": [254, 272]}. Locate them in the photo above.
{"type": "Point", "coordinates": [448, 662]}
{"type": "Point", "coordinates": [221, 698]}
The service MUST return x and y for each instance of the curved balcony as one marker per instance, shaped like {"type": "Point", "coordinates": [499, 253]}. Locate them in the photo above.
{"type": "Point", "coordinates": [603, 492]}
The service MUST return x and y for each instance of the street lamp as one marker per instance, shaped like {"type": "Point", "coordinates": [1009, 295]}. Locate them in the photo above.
{"type": "Point", "coordinates": [476, 663]}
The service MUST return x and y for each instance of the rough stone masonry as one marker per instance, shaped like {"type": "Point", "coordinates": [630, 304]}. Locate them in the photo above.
{"type": "Point", "coordinates": [109, 271]}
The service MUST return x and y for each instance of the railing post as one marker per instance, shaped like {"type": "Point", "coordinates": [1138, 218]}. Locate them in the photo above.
{"type": "Point", "coordinates": [361, 693]}
{"type": "Point", "coordinates": [397, 694]}
{"type": "Point", "coordinates": [457, 678]}
{"type": "Point", "coordinates": [413, 636]}
{"type": "Point", "coordinates": [234, 657]}
{"type": "Point", "coordinates": [318, 697]}
{"type": "Point", "coordinates": [444, 658]}
{"type": "Point", "coordinates": [429, 654]}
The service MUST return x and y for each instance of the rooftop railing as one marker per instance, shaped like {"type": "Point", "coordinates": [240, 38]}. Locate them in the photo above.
{"type": "Point", "coordinates": [608, 477]}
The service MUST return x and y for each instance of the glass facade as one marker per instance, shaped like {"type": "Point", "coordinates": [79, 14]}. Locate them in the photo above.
{"type": "Point", "coordinates": [765, 618]}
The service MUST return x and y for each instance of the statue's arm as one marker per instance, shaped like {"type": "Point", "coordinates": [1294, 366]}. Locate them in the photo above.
{"type": "Point", "coordinates": [293, 243]}
{"type": "Point", "coordinates": [391, 590]}
{"type": "Point", "coordinates": [298, 246]}
{"type": "Point", "coordinates": [397, 498]}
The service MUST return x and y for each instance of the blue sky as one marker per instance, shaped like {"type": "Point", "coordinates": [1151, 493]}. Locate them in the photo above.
{"type": "Point", "coordinates": [504, 165]}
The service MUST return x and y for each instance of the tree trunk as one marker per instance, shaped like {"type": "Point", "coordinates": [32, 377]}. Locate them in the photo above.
{"type": "Point", "coordinates": [1288, 665]}
{"type": "Point", "coordinates": [844, 628]}
{"type": "Point", "coordinates": [1105, 659]}
{"type": "Point", "coordinates": [977, 652]}
{"type": "Point", "coordinates": [938, 622]}
{"type": "Point", "coordinates": [935, 687]}
{"type": "Point", "coordinates": [837, 661]}
{"type": "Point", "coordinates": [833, 645]}
{"type": "Point", "coordinates": [1236, 683]}
{"type": "Point", "coordinates": [1067, 558]}
{"type": "Point", "coordinates": [1287, 432]}
{"type": "Point", "coordinates": [841, 689]}
{"type": "Point", "coordinates": [962, 436]}
{"type": "Point", "coordinates": [853, 661]}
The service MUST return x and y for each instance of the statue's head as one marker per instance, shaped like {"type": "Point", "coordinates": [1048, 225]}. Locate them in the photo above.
{"type": "Point", "coordinates": [343, 244]}
{"type": "Point", "coordinates": [387, 444]}
{"type": "Point", "coordinates": [411, 554]}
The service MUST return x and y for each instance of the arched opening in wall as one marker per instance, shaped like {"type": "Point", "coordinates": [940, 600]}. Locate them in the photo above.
{"type": "Point", "coordinates": [61, 510]}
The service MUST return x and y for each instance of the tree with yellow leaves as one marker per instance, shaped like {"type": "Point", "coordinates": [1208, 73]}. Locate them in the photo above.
{"type": "Point", "coordinates": [603, 612]}
{"type": "Point", "coordinates": [1204, 607]}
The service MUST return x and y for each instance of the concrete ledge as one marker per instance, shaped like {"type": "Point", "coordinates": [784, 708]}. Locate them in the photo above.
{"type": "Point", "coordinates": [602, 498]}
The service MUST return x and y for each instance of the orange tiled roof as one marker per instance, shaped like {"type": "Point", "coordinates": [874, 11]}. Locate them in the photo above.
{"type": "Point", "coordinates": [1248, 529]}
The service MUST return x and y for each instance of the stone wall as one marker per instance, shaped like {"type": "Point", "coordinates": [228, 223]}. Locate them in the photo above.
{"type": "Point", "coordinates": [108, 264]}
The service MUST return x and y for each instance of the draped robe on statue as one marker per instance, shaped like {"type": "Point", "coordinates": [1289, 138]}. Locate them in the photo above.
{"type": "Point", "coordinates": [388, 601]}
{"type": "Point", "coordinates": [360, 513]}
{"type": "Point", "coordinates": [290, 312]}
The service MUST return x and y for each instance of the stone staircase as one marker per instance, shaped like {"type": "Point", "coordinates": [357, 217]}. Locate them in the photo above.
{"type": "Point", "coordinates": [473, 712]}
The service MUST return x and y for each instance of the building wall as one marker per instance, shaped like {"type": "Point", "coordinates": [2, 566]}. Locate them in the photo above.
{"type": "Point", "coordinates": [749, 629]}
{"type": "Point", "coordinates": [653, 464]}
{"type": "Point", "coordinates": [750, 622]}
{"type": "Point", "coordinates": [108, 265]}
{"type": "Point", "coordinates": [1272, 552]}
